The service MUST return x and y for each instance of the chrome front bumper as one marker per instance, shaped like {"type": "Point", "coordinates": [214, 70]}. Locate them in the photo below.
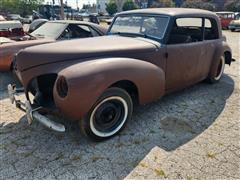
{"type": "Point", "coordinates": [32, 114]}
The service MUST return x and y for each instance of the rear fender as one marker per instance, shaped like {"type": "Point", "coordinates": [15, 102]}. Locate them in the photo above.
{"type": "Point", "coordinates": [222, 50]}
{"type": "Point", "coordinates": [88, 80]}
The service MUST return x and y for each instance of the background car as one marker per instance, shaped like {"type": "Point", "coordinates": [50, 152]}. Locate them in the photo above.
{"type": "Point", "coordinates": [235, 24]}
{"type": "Point", "coordinates": [28, 19]}
{"type": "Point", "coordinates": [15, 17]}
{"type": "Point", "coordinates": [11, 29]}
{"type": "Point", "coordinates": [36, 24]}
{"type": "Point", "coordinates": [225, 17]}
{"type": "Point", "coordinates": [49, 32]}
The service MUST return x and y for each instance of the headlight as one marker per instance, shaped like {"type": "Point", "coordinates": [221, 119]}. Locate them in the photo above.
{"type": "Point", "coordinates": [62, 86]}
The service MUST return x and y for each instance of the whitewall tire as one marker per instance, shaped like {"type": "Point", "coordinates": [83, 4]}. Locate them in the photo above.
{"type": "Point", "coordinates": [108, 116]}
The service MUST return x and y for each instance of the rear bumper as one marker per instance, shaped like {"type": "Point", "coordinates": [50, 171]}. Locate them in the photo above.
{"type": "Point", "coordinates": [32, 113]}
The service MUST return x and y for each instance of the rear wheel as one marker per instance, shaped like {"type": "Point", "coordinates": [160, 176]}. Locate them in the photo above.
{"type": "Point", "coordinates": [108, 116]}
{"type": "Point", "coordinates": [220, 68]}
{"type": "Point", "coordinates": [232, 30]}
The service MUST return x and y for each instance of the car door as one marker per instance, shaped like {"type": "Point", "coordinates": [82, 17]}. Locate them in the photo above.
{"type": "Point", "coordinates": [210, 42]}
{"type": "Point", "coordinates": [184, 50]}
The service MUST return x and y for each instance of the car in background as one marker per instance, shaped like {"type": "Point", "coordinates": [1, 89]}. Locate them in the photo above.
{"type": "Point", "coordinates": [235, 24]}
{"type": "Point", "coordinates": [109, 21]}
{"type": "Point", "coordinates": [49, 32]}
{"type": "Point", "coordinates": [96, 82]}
{"type": "Point", "coordinates": [36, 24]}
{"type": "Point", "coordinates": [15, 17]}
{"type": "Point", "coordinates": [28, 19]}
{"type": "Point", "coordinates": [11, 29]}
{"type": "Point", "coordinates": [2, 18]}
{"type": "Point", "coordinates": [225, 18]}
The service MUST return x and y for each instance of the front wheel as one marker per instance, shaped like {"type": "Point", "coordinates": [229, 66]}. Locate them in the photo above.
{"type": "Point", "coordinates": [220, 68]}
{"type": "Point", "coordinates": [108, 116]}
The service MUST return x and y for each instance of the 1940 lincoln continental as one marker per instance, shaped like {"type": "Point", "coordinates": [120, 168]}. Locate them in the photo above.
{"type": "Point", "coordinates": [97, 81]}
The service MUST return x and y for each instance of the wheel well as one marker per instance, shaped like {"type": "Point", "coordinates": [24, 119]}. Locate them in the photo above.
{"type": "Point", "coordinates": [228, 57]}
{"type": "Point", "coordinates": [130, 87]}
{"type": "Point", "coordinates": [43, 84]}
{"type": "Point", "coordinates": [11, 66]}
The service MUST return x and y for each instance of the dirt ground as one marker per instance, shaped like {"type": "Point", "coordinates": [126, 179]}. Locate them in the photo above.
{"type": "Point", "coordinates": [191, 134]}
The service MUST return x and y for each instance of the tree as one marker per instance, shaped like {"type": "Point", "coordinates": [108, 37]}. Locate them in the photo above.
{"type": "Point", "coordinates": [199, 4]}
{"type": "Point", "coordinates": [111, 7]}
{"type": "Point", "coordinates": [232, 5]}
{"type": "Point", "coordinates": [129, 5]}
{"type": "Point", "coordinates": [162, 3]}
{"type": "Point", "coordinates": [119, 4]}
{"type": "Point", "coordinates": [22, 7]}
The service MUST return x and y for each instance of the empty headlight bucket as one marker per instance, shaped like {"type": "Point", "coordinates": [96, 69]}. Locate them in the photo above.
{"type": "Point", "coordinates": [62, 86]}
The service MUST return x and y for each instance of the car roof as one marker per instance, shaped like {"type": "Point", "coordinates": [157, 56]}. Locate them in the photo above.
{"type": "Point", "coordinates": [171, 11]}
{"type": "Point", "coordinates": [41, 20]}
{"type": "Point", "coordinates": [96, 26]}
{"type": "Point", "coordinates": [10, 24]}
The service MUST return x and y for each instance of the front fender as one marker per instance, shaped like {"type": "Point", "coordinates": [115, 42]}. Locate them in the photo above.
{"type": "Point", "coordinates": [88, 80]}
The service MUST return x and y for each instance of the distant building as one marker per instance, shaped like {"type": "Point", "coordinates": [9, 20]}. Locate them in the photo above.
{"type": "Point", "coordinates": [101, 5]}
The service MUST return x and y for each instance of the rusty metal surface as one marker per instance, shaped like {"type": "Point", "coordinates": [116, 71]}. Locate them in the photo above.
{"type": "Point", "coordinates": [103, 61]}
{"type": "Point", "coordinates": [7, 51]}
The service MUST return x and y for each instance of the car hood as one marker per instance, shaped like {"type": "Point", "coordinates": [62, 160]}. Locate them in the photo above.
{"type": "Point", "coordinates": [83, 49]}
{"type": "Point", "coordinates": [17, 45]}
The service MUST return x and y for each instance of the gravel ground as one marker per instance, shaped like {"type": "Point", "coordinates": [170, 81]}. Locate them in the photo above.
{"type": "Point", "coordinates": [191, 134]}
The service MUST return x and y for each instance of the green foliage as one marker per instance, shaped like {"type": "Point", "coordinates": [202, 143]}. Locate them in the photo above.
{"type": "Point", "coordinates": [162, 3]}
{"type": "Point", "coordinates": [199, 4]}
{"type": "Point", "coordinates": [22, 7]}
{"type": "Point", "coordinates": [111, 7]}
{"type": "Point", "coordinates": [129, 5]}
{"type": "Point", "coordinates": [232, 5]}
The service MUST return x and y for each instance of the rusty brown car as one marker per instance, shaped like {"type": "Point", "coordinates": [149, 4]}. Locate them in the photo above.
{"type": "Point", "coordinates": [49, 32]}
{"type": "Point", "coordinates": [146, 54]}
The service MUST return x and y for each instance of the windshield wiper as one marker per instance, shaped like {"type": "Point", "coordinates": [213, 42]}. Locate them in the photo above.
{"type": "Point", "coordinates": [133, 34]}
{"type": "Point", "coordinates": [126, 33]}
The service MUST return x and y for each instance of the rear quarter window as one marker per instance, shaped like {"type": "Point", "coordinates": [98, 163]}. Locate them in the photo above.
{"type": "Point", "coordinates": [192, 22]}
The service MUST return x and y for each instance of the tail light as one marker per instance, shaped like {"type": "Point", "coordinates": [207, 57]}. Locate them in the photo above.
{"type": "Point", "coordinates": [62, 86]}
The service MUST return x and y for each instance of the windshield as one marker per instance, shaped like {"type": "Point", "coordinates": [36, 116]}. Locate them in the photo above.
{"type": "Point", "coordinates": [140, 25]}
{"type": "Point", "coordinates": [49, 30]}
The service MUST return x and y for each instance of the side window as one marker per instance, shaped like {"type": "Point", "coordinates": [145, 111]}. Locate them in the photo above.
{"type": "Point", "coordinates": [211, 29]}
{"type": "Point", "coordinates": [89, 30]}
{"type": "Point", "coordinates": [186, 30]}
{"type": "Point", "coordinates": [74, 31]}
